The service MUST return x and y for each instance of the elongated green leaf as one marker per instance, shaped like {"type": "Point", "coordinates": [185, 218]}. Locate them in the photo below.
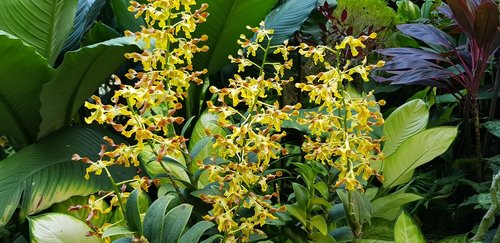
{"type": "Point", "coordinates": [81, 73]}
{"type": "Point", "coordinates": [175, 221]}
{"type": "Point", "coordinates": [153, 221]}
{"type": "Point", "coordinates": [228, 19]}
{"type": "Point", "coordinates": [194, 233]}
{"type": "Point", "coordinates": [297, 212]}
{"type": "Point", "coordinates": [301, 194]}
{"type": "Point", "coordinates": [59, 228]}
{"type": "Point", "coordinates": [319, 223]}
{"type": "Point", "coordinates": [117, 230]}
{"type": "Point", "coordinates": [86, 13]}
{"type": "Point", "coordinates": [137, 203]}
{"type": "Point", "coordinates": [207, 121]}
{"type": "Point", "coordinates": [416, 151]}
{"type": "Point", "coordinates": [44, 25]}
{"type": "Point", "coordinates": [389, 207]}
{"type": "Point", "coordinates": [23, 73]}
{"type": "Point", "coordinates": [406, 121]}
{"type": "Point", "coordinates": [406, 230]}
{"type": "Point", "coordinates": [45, 174]}
{"type": "Point", "coordinates": [288, 18]}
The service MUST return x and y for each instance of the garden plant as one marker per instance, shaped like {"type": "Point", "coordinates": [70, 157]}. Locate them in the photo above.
{"type": "Point", "coordinates": [249, 121]}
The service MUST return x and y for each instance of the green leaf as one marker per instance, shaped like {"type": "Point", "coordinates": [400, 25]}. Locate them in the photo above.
{"type": "Point", "coordinates": [79, 76]}
{"type": "Point", "coordinates": [99, 32]}
{"type": "Point", "coordinates": [228, 19]}
{"type": "Point", "coordinates": [493, 127]}
{"type": "Point", "coordinates": [322, 188]}
{"type": "Point", "coordinates": [83, 213]}
{"type": "Point", "coordinates": [297, 212]}
{"type": "Point", "coordinates": [301, 194]}
{"type": "Point", "coordinates": [319, 223]}
{"type": "Point", "coordinates": [406, 230]}
{"type": "Point", "coordinates": [87, 12]}
{"type": "Point", "coordinates": [58, 227]}
{"type": "Point", "coordinates": [175, 221]}
{"type": "Point", "coordinates": [416, 151]}
{"type": "Point", "coordinates": [153, 221]}
{"type": "Point", "coordinates": [20, 87]}
{"type": "Point", "coordinates": [45, 174]}
{"type": "Point", "coordinates": [117, 230]}
{"type": "Point", "coordinates": [174, 162]}
{"type": "Point", "coordinates": [44, 25]}
{"type": "Point", "coordinates": [288, 18]}
{"type": "Point", "coordinates": [455, 239]}
{"type": "Point", "coordinates": [359, 203]}
{"type": "Point", "coordinates": [194, 233]}
{"type": "Point", "coordinates": [124, 18]}
{"type": "Point", "coordinates": [379, 229]}
{"type": "Point", "coordinates": [199, 146]}
{"type": "Point", "coordinates": [207, 121]}
{"type": "Point", "coordinates": [406, 121]}
{"type": "Point", "coordinates": [389, 207]}
{"type": "Point", "coordinates": [137, 203]}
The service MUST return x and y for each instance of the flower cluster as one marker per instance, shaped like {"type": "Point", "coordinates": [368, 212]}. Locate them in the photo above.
{"type": "Point", "coordinates": [145, 111]}
{"type": "Point", "coordinates": [340, 129]}
{"type": "Point", "coordinates": [253, 142]}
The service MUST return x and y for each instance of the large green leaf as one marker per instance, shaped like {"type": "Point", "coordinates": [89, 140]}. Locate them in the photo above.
{"type": "Point", "coordinates": [23, 73]}
{"type": "Point", "coordinates": [406, 230]}
{"type": "Point", "coordinates": [45, 174]}
{"type": "Point", "coordinates": [389, 207]}
{"type": "Point", "coordinates": [79, 76]}
{"type": "Point", "coordinates": [153, 221]}
{"type": "Point", "coordinates": [175, 221]}
{"type": "Point", "coordinates": [44, 25]}
{"type": "Point", "coordinates": [82, 214]}
{"type": "Point", "coordinates": [493, 127]}
{"type": "Point", "coordinates": [416, 151]}
{"type": "Point", "coordinates": [288, 18]}
{"type": "Point", "coordinates": [86, 13]}
{"type": "Point", "coordinates": [406, 121]}
{"type": "Point", "coordinates": [59, 228]}
{"type": "Point", "coordinates": [194, 233]}
{"type": "Point", "coordinates": [125, 18]}
{"type": "Point", "coordinates": [228, 19]}
{"type": "Point", "coordinates": [137, 204]}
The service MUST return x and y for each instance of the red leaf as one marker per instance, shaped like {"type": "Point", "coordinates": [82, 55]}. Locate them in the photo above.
{"type": "Point", "coordinates": [486, 24]}
{"type": "Point", "coordinates": [343, 16]}
{"type": "Point", "coordinates": [462, 15]}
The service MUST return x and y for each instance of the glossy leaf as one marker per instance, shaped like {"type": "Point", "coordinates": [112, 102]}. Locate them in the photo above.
{"type": "Point", "coordinates": [297, 212]}
{"type": "Point", "coordinates": [406, 121]}
{"type": "Point", "coordinates": [228, 19]}
{"type": "Point", "coordinates": [288, 18]}
{"type": "Point", "coordinates": [359, 203]}
{"type": "Point", "coordinates": [412, 53]}
{"type": "Point", "coordinates": [195, 232]}
{"type": "Point", "coordinates": [125, 18]}
{"type": "Point", "coordinates": [406, 230]}
{"type": "Point", "coordinates": [319, 223]}
{"type": "Point", "coordinates": [82, 214]}
{"type": "Point", "coordinates": [19, 84]}
{"type": "Point", "coordinates": [175, 221]}
{"type": "Point", "coordinates": [462, 15]}
{"type": "Point", "coordinates": [79, 76]}
{"type": "Point", "coordinates": [117, 230]}
{"type": "Point", "coordinates": [45, 174]}
{"type": "Point", "coordinates": [389, 207]}
{"type": "Point", "coordinates": [44, 25]}
{"type": "Point", "coordinates": [137, 203]}
{"type": "Point", "coordinates": [58, 227]}
{"type": "Point", "coordinates": [207, 121]}
{"type": "Point", "coordinates": [486, 23]}
{"type": "Point", "coordinates": [153, 221]}
{"type": "Point", "coordinates": [99, 32]}
{"type": "Point", "coordinates": [426, 33]}
{"type": "Point", "coordinates": [415, 151]}
{"type": "Point", "coordinates": [87, 12]}
{"type": "Point", "coordinates": [301, 194]}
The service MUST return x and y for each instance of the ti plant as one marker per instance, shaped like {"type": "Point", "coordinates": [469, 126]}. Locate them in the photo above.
{"type": "Point", "coordinates": [444, 64]}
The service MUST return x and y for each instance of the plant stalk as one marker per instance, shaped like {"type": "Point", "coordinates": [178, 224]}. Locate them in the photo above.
{"type": "Point", "coordinates": [489, 217]}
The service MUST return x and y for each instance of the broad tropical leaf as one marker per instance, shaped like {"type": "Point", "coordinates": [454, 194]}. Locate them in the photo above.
{"type": "Point", "coordinates": [23, 73]}
{"type": "Point", "coordinates": [44, 25]}
{"type": "Point", "coordinates": [406, 230]}
{"type": "Point", "coordinates": [79, 76]}
{"type": "Point", "coordinates": [389, 207]}
{"type": "Point", "coordinates": [86, 13]}
{"type": "Point", "coordinates": [406, 121]}
{"type": "Point", "coordinates": [427, 33]}
{"type": "Point", "coordinates": [288, 18]}
{"type": "Point", "coordinates": [416, 151]}
{"type": "Point", "coordinates": [228, 19]}
{"type": "Point", "coordinates": [60, 228]}
{"type": "Point", "coordinates": [45, 174]}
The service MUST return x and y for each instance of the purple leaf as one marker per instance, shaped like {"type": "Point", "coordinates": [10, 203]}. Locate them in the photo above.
{"type": "Point", "coordinates": [426, 33]}
{"type": "Point", "coordinates": [463, 16]}
{"type": "Point", "coordinates": [486, 24]}
{"type": "Point", "coordinates": [411, 53]}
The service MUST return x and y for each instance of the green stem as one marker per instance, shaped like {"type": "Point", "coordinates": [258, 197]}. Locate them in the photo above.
{"type": "Point", "coordinates": [116, 189]}
{"type": "Point", "coordinates": [489, 217]}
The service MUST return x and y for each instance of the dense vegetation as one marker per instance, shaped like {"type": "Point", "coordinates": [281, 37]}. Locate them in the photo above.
{"type": "Point", "coordinates": [249, 121]}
